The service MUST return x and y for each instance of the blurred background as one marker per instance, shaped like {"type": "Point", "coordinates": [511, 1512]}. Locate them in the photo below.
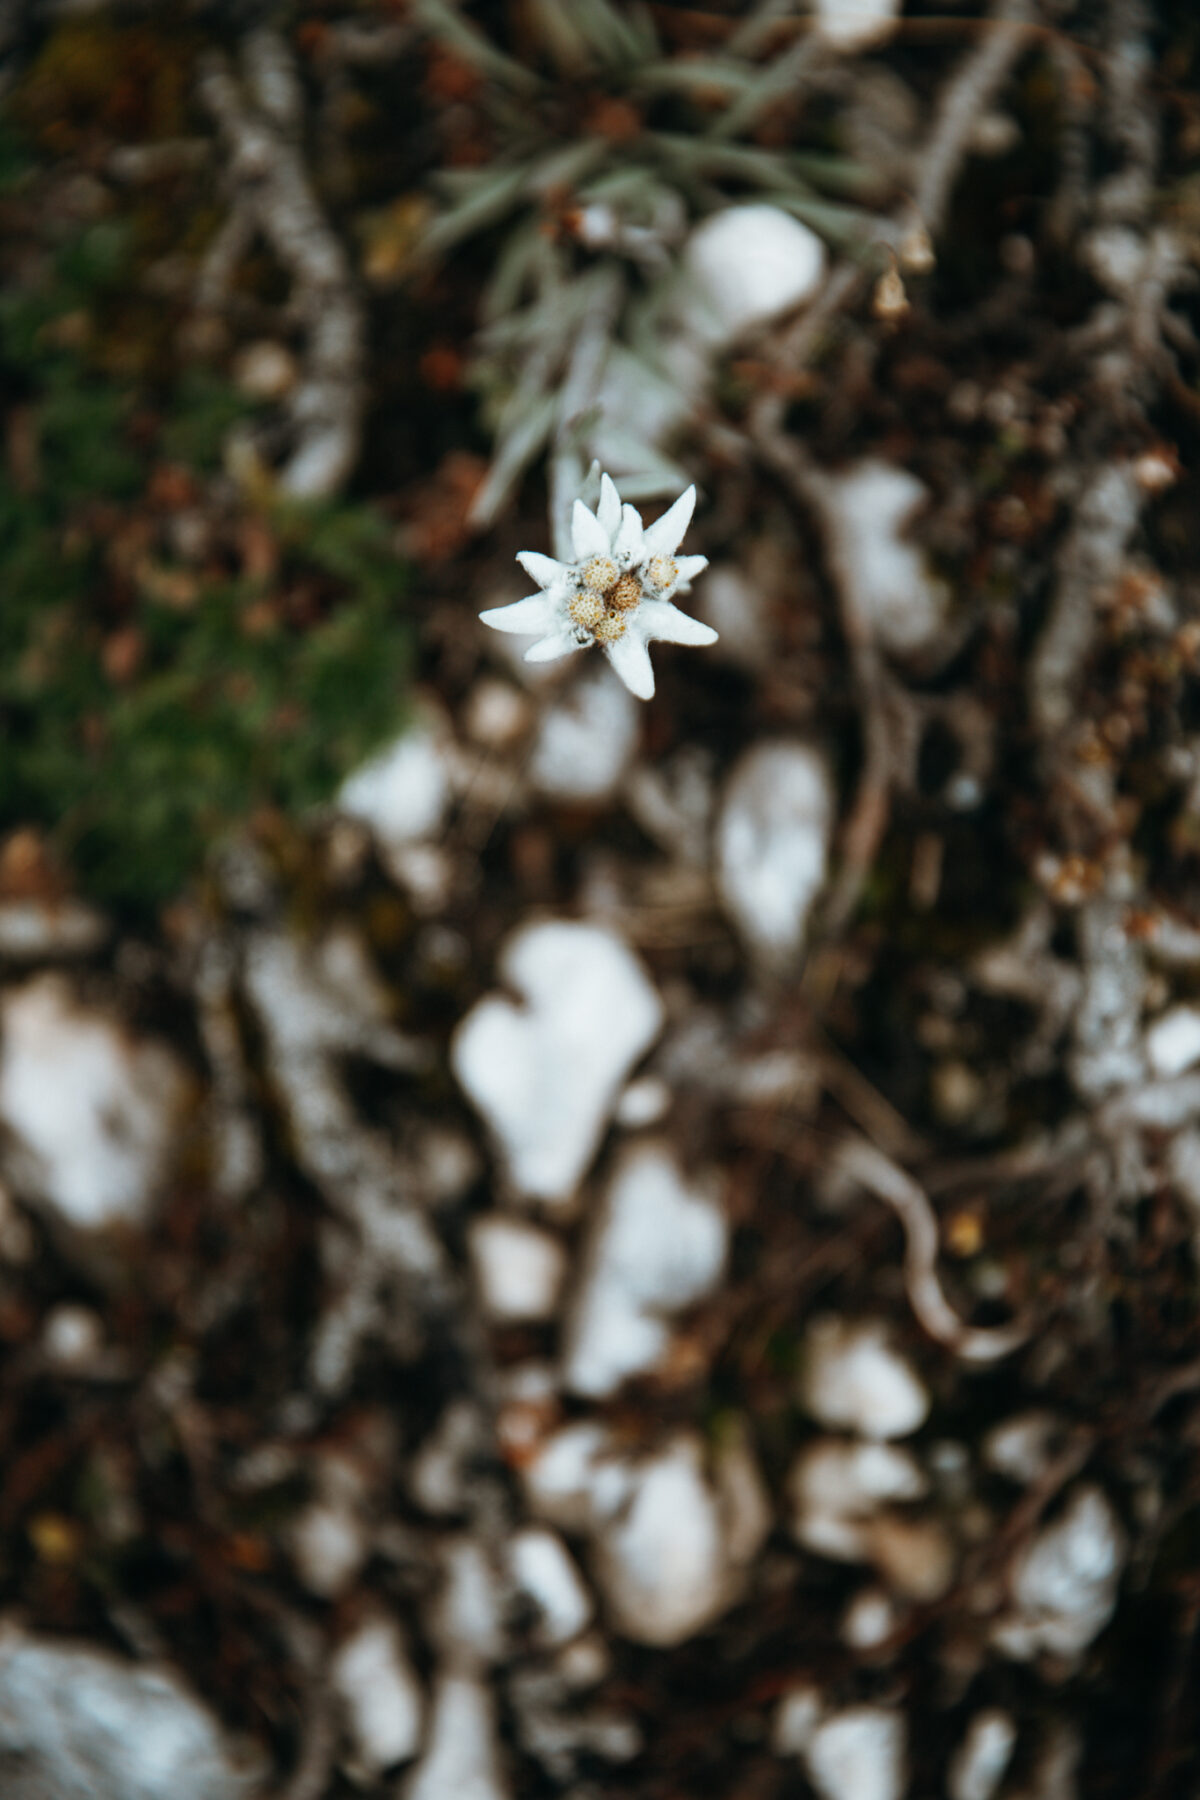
{"type": "Point", "coordinates": [553, 1245]}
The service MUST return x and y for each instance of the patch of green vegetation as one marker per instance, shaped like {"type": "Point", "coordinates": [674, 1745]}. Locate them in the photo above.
{"type": "Point", "coordinates": [174, 655]}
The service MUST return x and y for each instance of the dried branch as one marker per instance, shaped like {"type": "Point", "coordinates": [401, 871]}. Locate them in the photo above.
{"type": "Point", "coordinates": [259, 120]}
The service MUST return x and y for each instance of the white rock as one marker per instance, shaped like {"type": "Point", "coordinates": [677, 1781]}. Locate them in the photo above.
{"type": "Point", "coordinates": [644, 1102]}
{"type": "Point", "coordinates": [978, 1765]}
{"type": "Point", "coordinates": [661, 1563]}
{"type": "Point", "coordinates": [855, 1381]}
{"type": "Point", "coordinates": [265, 370]}
{"type": "Point", "coordinates": [796, 1718]}
{"type": "Point", "coordinates": [869, 1620]}
{"type": "Point", "coordinates": [1173, 1041]}
{"type": "Point", "coordinates": [657, 1245]}
{"type": "Point", "coordinates": [545, 1074]}
{"type": "Point", "coordinates": [437, 1479]}
{"type": "Point", "coordinates": [586, 739]}
{"type": "Point", "coordinates": [1021, 1447]}
{"type": "Point", "coordinates": [545, 1573]}
{"type": "Point", "coordinates": [329, 1540]}
{"type": "Point", "coordinates": [403, 791]}
{"type": "Point", "coordinates": [838, 1491]}
{"type": "Point", "coordinates": [72, 1336]}
{"type": "Point", "coordinates": [496, 714]}
{"type": "Point", "coordinates": [78, 1724]}
{"type": "Point", "coordinates": [856, 24]}
{"type": "Point", "coordinates": [885, 580]}
{"type": "Point", "coordinates": [772, 845]}
{"type": "Point", "coordinates": [858, 1754]}
{"type": "Point", "coordinates": [91, 1113]}
{"type": "Point", "coordinates": [30, 929]}
{"type": "Point", "coordinates": [380, 1695]}
{"type": "Point", "coordinates": [519, 1269]}
{"type": "Point", "coordinates": [577, 1477]}
{"type": "Point", "coordinates": [916, 1557]}
{"type": "Point", "coordinates": [329, 1546]}
{"type": "Point", "coordinates": [462, 1755]}
{"type": "Point", "coordinates": [1064, 1587]}
{"type": "Point", "coordinates": [745, 266]}
{"type": "Point", "coordinates": [736, 608]}
{"type": "Point", "coordinates": [466, 1617]}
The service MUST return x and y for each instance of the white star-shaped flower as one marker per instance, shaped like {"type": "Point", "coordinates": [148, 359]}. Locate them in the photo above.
{"type": "Point", "coordinates": [617, 593]}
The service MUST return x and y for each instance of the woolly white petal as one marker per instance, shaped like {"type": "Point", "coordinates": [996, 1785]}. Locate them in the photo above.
{"type": "Point", "coordinates": [609, 510]}
{"type": "Point", "coordinates": [559, 643]}
{"type": "Point", "coordinates": [628, 541]}
{"type": "Point", "coordinates": [659, 619]}
{"type": "Point", "coordinates": [631, 659]}
{"type": "Point", "coordinates": [689, 567]}
{"type": "Point", "coordinates": [542, 569]}
{"type": "Point", "coordinates": [538, 613]}
{"type": "Point", "coordinates": [664, 537]}
{"type": "Point", "coordinates": [588, 534]}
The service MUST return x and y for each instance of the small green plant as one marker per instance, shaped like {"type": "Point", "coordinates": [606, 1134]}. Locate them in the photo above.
{"type": "Point", "coordinates": [174, 652]}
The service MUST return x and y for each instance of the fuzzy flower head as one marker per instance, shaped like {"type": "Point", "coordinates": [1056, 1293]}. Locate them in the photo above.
{"type": "Point", "coordinates": [617, 593]}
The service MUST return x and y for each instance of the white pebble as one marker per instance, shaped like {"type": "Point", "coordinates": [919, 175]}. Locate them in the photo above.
{"type": "Point", "coordinates": [462, 1755]}
{"type": "Point", "coordinates": [858, 1754]}
{"type": "Point", "coordinates": [329, 1547]}
{"type": "Point", "coordinates": [1064, 1588]}
{"type": "Point", "coordinates": [644, 1102]}
{"type": "Point", "coordinates": [855, 1381]}
{"type": "Point", "coordinates": [496, 713]}
{"type": "Point", "coordinates": [577, 1477]}
{"type": "Point", "coordinates": [746, 265]}
{"type": "Point", "coordinates": [545, 1072]}
{"type": "Point", "coordinates": [1021, 1447]}
{"type": "Point", "coordinates": [403, 791]}
{"type": "Point", "coordinates": [380, 1695]}
{"type": "Point", "coordinates": [978, 1765]}
{"type": "Point", "coordinates": [545, 1573]}
{"type": "Point", "coordinates": [519, 1269]}
{"type": "Point", "coordinates": [661, 1563]}
{"type": "Point", "coordinates": [72, 1335]}
{"type": "Point", "coordinates": [772, 845]}
{"type": "Point", "coordinates": [838, 1491]}
{"type": "Point", "coordinates": [437, 1479]}
{"type": "Point", "coordinates": [856, 24]}
{"type": "Point", "coordinates": [466, 1616]}
{"type": "Point", "coordinates": [1173, 1041]}
{"type": "Point", "coordinates": [587, 739]}
{"type": "Point", "coordinates": [796, 1718]}
{"type": "Point", "coordinates": [265, 370]}
{"type": "Point", "coordinates": [91, 1114]}
{"type": "Point", "coordinates": [886, 583]}
{"type": "Point", "coordinates": [657, 1246]}
{"type": "Point", "coordinates": [869, 1620]}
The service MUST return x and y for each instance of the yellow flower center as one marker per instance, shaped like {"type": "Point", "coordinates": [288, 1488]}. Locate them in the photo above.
{"type": "Point", "coordinates": [609, 629]}
{"type": "Point", "coordinates": [625, 594]}
{"type": "Point", "coordinates": [600, 573]}
{"type": "Point", "coordinates": [663, 571]}
{"type": "Point", "coordinates": [587, 610]}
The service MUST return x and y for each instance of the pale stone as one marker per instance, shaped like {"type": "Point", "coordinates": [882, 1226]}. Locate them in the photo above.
{"type": "Point", "coordinates": [869, 1620]}
{"type": "Point", "coordinates": [545, 1073]}
{"type": "Point", "coordinates": [586, 739]}
{"type": "Point", "coordinates": [519, 1269]}
{"type": "Point", "coordinates": [1173, 1041]}
{"type": "Point", "coordinates": [850, 25]}
{"type": "Point", "coordinates": [978, 1765]}
{"type": "Point", "coordinates": [858, 1754]}
{"type": "Point", "coordinates": [91, 1114]}
{"type": "Point", "coordinates": [403, 791]}
{"type": "Point", "coordinates": [462, 1752]}
{"type": "Point", "coordinates": [886, 582]}
{"type": "Point", "coordinates": [658, 1245]}
{"type": "Point", "coordinates": [545, 1574]}
{"type": "Point", "coordinates": [772, 846]}
{"type": "Point", "coordinates": [855, 1381]}
{"type": "Point", "coordinates": [744, 266]}
{"type": "Point", "coordinates": [381, 1698]}
{"type": "Point", "coordinates": [79, 1724]}
{"type": "Point", "coordinates": [1064, 1586]}
{"type": "Point", "coordinates": [839, 1490]}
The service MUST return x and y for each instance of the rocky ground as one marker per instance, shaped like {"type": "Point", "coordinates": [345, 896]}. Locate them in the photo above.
{"type": "Point", "coordinates": [641, 1248]}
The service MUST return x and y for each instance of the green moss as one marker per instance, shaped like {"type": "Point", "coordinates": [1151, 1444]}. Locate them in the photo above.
{"type": "Point", "coordinates": [151, 701]}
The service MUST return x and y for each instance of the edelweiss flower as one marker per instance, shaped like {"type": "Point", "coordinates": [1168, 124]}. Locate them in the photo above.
{"type": "Point", "coordinates": [617, 593]}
